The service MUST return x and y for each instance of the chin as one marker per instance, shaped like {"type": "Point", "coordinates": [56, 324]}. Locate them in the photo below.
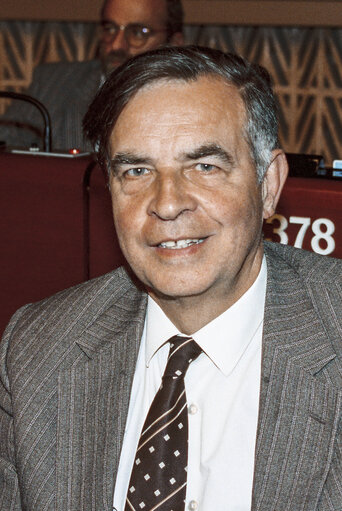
{"type": "Point", "coordinates": [175, 288]}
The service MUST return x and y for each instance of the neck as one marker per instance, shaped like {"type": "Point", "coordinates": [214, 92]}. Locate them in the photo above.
{"type": "Point", "coordinates": [191, 313]}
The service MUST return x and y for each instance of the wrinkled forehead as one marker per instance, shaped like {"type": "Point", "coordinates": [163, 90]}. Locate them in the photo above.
{"type": "Point", "coordinates": [171, 114]}
{"type": "Point", "coordinates": [205, 93]}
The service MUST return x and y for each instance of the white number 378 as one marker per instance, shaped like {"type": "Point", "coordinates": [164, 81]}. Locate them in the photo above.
{"type": "Point", "coordinates": [322, 241]}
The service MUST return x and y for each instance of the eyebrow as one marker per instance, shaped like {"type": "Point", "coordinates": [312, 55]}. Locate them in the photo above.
{"type": "Point", "coordinates": [201, 152]}
{"type": "Point", "coordinates": [209, 150]}
{"type": "Point", "coordinates": [129, 159]}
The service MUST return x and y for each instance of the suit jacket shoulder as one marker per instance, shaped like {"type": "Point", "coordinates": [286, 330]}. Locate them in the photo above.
{"type": "Point", "coordinates": [73, 311]}
{"type": "Point", "coordinates": [298, 464]}
{"type": "Point", "coordinates": [66, 359]}
{"type": "Point", "coordinates": [294, 270]}
{"type": "Point", "coordinates": [310, 266]}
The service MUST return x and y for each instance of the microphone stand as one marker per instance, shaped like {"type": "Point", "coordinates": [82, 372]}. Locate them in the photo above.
{"type": "Point", "coordinates": [42, 109]}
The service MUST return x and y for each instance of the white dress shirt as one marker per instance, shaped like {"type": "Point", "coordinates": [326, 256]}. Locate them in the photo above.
{"type": "Point", "coordinates": [222, 388]}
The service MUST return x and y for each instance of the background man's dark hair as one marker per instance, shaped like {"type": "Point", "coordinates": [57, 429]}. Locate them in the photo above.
{"type": "Point", "coordinates": [175, 17]}
{"type": "Point", "coordinates": [187, 64]}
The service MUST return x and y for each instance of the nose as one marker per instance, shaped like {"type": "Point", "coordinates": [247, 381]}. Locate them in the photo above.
{"type": "Point", "coordinates": [171, 198]}
{"type": "Point", "coordinates": [119, 42]}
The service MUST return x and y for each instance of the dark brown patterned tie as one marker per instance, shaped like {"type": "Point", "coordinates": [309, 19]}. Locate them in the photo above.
{"type": "Point", "coordinates": [159, 474]}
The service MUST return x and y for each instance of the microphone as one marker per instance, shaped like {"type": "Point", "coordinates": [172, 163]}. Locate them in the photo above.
{"type": "Point", "coordinates": [42, 109]}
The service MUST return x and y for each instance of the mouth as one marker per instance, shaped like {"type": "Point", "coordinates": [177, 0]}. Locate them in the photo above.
{"type": "Point", "coordinates": [179, 244]}
{"type": "Point", "coordinates": [114, 60]}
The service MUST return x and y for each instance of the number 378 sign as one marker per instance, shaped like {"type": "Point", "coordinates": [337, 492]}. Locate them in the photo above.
{"type": "Point", "coordinates": [318, 235]}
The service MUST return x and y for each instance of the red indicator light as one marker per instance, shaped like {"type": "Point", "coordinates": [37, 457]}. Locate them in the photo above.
{"type": "Point", "coordinates": [74, 151]}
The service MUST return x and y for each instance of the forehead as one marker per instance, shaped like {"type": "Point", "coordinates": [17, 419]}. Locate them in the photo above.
{"type": "Point", "coordinates": [169, 113]}
{"type": "Point", "coordinates": [133, 11]}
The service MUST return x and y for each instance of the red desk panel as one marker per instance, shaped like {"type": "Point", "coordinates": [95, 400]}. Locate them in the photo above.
{"type": "Point", "coordinates": [104, 252]}
{"type": "Point", "coordinates": [309, 215]}
{"type": "Point", "coordinates": [41, 228]}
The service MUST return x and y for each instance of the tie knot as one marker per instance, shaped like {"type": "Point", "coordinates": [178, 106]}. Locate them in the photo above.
{"type": "Point", "coordinates": [183, 350]}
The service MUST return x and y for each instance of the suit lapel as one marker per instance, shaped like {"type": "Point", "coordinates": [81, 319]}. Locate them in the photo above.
{"type": "Point", "coordinates": [93, 404]}
{"type": "Point", "coordinates": [299, 412]}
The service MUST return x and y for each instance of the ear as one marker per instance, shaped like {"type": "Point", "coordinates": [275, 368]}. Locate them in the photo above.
{"type": "Point", "coordinates": [273, 182]}
{"type": "Point", "coordinates": [177, 39]}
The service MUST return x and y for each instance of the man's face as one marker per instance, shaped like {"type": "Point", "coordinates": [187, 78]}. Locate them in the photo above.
{"type": "Point", "coordinates": [116, 49]}
{"type": "Point", "coordinates": [187, 205]}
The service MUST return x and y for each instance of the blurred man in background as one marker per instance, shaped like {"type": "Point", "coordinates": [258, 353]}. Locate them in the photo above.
{"type": "Point", "coordinates": [127, 27]}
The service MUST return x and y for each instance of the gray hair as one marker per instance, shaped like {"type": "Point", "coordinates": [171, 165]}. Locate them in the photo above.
{"type": "Point", "coordinates": [188, 64]}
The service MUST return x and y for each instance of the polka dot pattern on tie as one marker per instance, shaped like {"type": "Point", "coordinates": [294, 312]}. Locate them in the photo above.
{"type": "Point", "coordinates": [159, 474]}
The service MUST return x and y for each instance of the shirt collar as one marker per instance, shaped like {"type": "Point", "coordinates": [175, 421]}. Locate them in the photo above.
{"type": "Point", "coordinates": [226, 338]}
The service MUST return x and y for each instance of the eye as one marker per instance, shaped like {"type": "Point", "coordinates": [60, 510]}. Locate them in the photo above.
{"type": "Point", "coordinates": [136, 172]}
{"type": "Point", "coordinates": [138, 31]}
{"type": "Point", "coordinates": [205, 167]}
{"type": "Point", "coordinates": [109, 28]}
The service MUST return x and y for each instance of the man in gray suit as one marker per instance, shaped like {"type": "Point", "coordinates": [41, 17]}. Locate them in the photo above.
{"type": "Point", "coordinates": [127, 27]}
{"type": "Point", "coordinates": [189, 139]}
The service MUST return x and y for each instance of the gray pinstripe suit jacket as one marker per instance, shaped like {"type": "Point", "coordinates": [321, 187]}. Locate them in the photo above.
{"type": "Point", "coordinates": [66, 89]}
{"type": "Point", "coordinates": [66, 370]}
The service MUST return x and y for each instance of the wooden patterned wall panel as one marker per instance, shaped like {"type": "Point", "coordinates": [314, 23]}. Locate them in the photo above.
{"type": "Point", "coordinates": [305, 64]}
{"type": "Point", "coordinates": [306, 67]}
{"type": "Point", "coordinates": [24, 45]}
{"type": "Point", "coordinates": [16, 61]}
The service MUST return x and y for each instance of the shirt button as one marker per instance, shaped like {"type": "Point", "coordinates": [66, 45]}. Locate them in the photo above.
{"type": "Point", "coordinates": [193, 505]}
{"type": "Point", "coordinates": [192, 410]}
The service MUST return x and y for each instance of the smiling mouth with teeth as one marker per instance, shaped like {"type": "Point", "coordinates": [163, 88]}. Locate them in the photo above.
{"type": "Point", "coordinates": [174, 245]}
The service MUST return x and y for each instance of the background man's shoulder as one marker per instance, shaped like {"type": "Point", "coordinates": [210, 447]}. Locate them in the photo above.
{"type": "Point", "coordinates": [63, 317]}
{"type": "Point", "coordinates": [59, 68]}
{"type": "Point", "coordinates": [65, 76]}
